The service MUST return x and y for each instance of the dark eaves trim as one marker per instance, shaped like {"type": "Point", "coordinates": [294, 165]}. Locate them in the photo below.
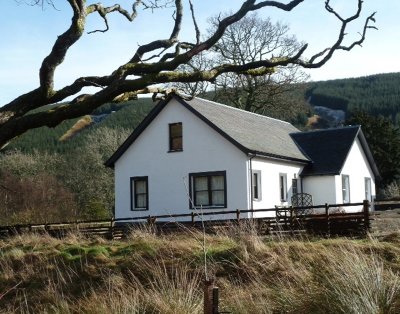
{"type": "Point", "coordinates": [319, 174]}
{"type": "Point", "coordinates": [212, 125]}
{"type": "Point", "coordinates": [160, 106]}
{"type": "Point", "coordinates": [367, 151]}
{"type": "Point", "coordinates": [278, 157]}
{"type": "Point", "coordinates": [368, 154]}
{"type": "Point", "coordinates": [236, 143]}
{"type": "Point", "coordinates": [139, 130]}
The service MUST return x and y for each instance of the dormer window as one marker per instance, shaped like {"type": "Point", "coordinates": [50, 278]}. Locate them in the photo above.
{"type": "Point", "coordinates": [175, 137]}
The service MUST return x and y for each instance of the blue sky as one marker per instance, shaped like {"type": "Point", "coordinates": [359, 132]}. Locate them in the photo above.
{"type": "Point", "coordinates": [28, 34]}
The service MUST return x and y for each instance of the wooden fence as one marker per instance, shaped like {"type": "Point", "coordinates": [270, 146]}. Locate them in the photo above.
{"type": "Point", "coordinates": [329, 219]}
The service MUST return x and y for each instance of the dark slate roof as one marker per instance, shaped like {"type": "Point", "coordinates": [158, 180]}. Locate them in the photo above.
{"type": "Point", "coordinates": [250, 132]}
{"type": "Point", "coordinates": [328, 149]}
{"type": "Point", "coordinates": [253, 133]}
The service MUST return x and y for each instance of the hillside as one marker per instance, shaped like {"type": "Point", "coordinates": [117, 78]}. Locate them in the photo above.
{"type": "Point", "coordinates": [121, 116]}
{"type": "Point", "coordinates": [376, 94]}
{"type": "Point", "coordinates": [332, 100]}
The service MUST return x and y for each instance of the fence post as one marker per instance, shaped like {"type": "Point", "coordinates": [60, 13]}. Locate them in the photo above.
{"type": "Point", "coordinates": [291, 218]}
{"type": "Point", "coordinates": [215, 297]}
{"type": "Point", "coordinates": [211, 297]}
{"type": "Point", "coordinates": [192, 218]}
{"type": "Point", "coordinates": [328, 223]}
{"type": "Point", "coordinates": [238, 215]}
{"type": "Point", "coordinates": [366, 215]}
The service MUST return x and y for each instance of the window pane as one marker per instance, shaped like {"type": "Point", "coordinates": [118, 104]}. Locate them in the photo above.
{"type": "Point", "coordinates": [176, 130]}
{"type": "Point", "coordinates": [175, 136]}
{"type": "Point", "coordinates": [255, 185]}
{"type": "Point", "coordinates": [208, 189]}
{"type": "Point", "coordinates": [282, 187]}
{"type": "Point", "coordinates": [202, 198]}
{"type": "Point", "coordinates": [217, 183]}
{"type": "Point", "coordinates": [140, 187]}
{"type": "Point", "coordinates": [218, 198]}
{"type": "Point", "coordinates": [294, 186]}
{"type": "Point", "coordinates": [201, 183]}
{"type": "Point", "coordinates": [141, 201]}
{"type": "Point", "coordinates": [176, 143]}
{"type": "Point", "coordinates": [368, 189]}
{"type": "Point", "coordinates": [346, 188]}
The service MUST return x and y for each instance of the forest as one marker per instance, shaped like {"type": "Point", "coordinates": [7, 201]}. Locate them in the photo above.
{"type": "Point", "coordinates": [378, 95]}
{"type": "Point", "coordinates": [40, 180]}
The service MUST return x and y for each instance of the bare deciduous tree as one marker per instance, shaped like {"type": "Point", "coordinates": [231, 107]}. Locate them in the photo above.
{"type": "Point", "coordinates": [252, 39]}
{"type": "Point", "coordinates": [153, 63]}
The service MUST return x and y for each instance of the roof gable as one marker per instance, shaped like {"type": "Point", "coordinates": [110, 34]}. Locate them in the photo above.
{"type": "Point", "coordinates": [328, 149]}
{"type": "Point", "coordinates": [251, 133]}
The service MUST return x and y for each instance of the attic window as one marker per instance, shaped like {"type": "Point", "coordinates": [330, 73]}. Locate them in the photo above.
{"type": "Point", "coordinates": [175, 137]}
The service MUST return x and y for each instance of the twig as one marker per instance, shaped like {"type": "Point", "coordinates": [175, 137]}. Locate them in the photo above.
{"type": "Point", "coordinates": [202, 226]}
{"type": "Point", "coordinates": [9, 290]}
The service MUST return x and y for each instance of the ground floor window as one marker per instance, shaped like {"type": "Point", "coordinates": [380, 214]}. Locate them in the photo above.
{"type": "Point", "coordinates": [208, 189]}
{"type": "Point", "coordinates": [256, 183]}
{"type": "Point", "coordinates": [294, 186]}
{"type": "Point", "coordinates": [368, 189]}
{"type": "Point", "coordinates": [283, 187]}
{"type": "Point", "coordinates": [139, 193]}
{"type": "Point", "coordinates": [346, 188]}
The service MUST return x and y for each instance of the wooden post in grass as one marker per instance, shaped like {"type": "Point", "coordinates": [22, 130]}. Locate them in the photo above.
{"type": "Point", "coordinates": [211, 296]}
{"type": "Point", "coordinates": [215, 308]}
{"type": "Point", "coordinates": [328, 223]}
{"type": "Point", "coordinates": [193, 218]}
{"type": "Point", "coordinates": [238, 215]}
{"type": "Point", "coordinates": [366, 215]}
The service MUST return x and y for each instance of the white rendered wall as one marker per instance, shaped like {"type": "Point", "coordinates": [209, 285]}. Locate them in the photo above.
{"type": "Point", "coordinates": [357, 168]}
{"type": "Point", "coordinates": [270, 192]}
{"type": "Point", "coordinates": [322, 189]}
{"type": "Point", "coordinates": [203, 150]}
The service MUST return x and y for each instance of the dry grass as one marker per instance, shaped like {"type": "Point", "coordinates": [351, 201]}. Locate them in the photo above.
{"type": "Point", "coordinates": [163, 274]}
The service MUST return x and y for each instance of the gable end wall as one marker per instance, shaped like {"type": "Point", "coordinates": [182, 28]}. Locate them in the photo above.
{"type": "Point", "coordinates": [203, 150]}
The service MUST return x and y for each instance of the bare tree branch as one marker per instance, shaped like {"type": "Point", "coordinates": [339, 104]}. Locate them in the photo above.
{"type": "Point", "coordinates": [154, 63]}
{"type": "Point", "coordinates": [196, 27]}
{"type": "Point", "coordinates": [103, 11]}
{"type": "Point", "coordinates": [327, 53]}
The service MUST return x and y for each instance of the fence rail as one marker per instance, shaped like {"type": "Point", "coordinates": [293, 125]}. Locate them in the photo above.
{"type": "Point", "coordinates": [288, 219]}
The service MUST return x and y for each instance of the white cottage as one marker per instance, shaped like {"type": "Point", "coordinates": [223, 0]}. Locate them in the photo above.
{"type": "Point", "coordinates": [196, 153]}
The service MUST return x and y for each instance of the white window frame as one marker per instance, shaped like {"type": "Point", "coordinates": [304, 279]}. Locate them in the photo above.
{"type": "Point", "coordinates": [368, 188]}
{"type": "Point", "coordinates": [283, 192]}
{"type": "Point", "coordinates": [346, 188]}
{"type": "Point", "coordinates": [295, 186]}
{"type": "Point", "coordinates": [256, 185]}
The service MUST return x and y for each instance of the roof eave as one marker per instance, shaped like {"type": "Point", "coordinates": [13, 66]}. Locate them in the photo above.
{"type": "Point", "coordinates": [277, 157]}
{"type": "Point", "coordinates": [368, 154]}
{"type": "Point", "coordinates": [319, 174]}
{"type": "Point", "coordinates": [138, 130]}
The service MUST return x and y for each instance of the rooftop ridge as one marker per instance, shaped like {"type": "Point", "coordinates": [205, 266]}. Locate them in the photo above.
{"type": "Point", "coordinates": [241, 110]}
{"type": "Point", "coordinates": [330, 129]}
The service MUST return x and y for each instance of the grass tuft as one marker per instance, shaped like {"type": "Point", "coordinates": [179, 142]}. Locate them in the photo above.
{"type": "Point", "coordinates": [150, 273]}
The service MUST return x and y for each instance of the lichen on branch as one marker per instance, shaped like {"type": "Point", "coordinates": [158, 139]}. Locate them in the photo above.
{"type": "Point", "coordinates": [154, 63]}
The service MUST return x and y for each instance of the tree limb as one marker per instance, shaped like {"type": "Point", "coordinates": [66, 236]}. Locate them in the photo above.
{"type": "Point", "coordinates": [159, 67]}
